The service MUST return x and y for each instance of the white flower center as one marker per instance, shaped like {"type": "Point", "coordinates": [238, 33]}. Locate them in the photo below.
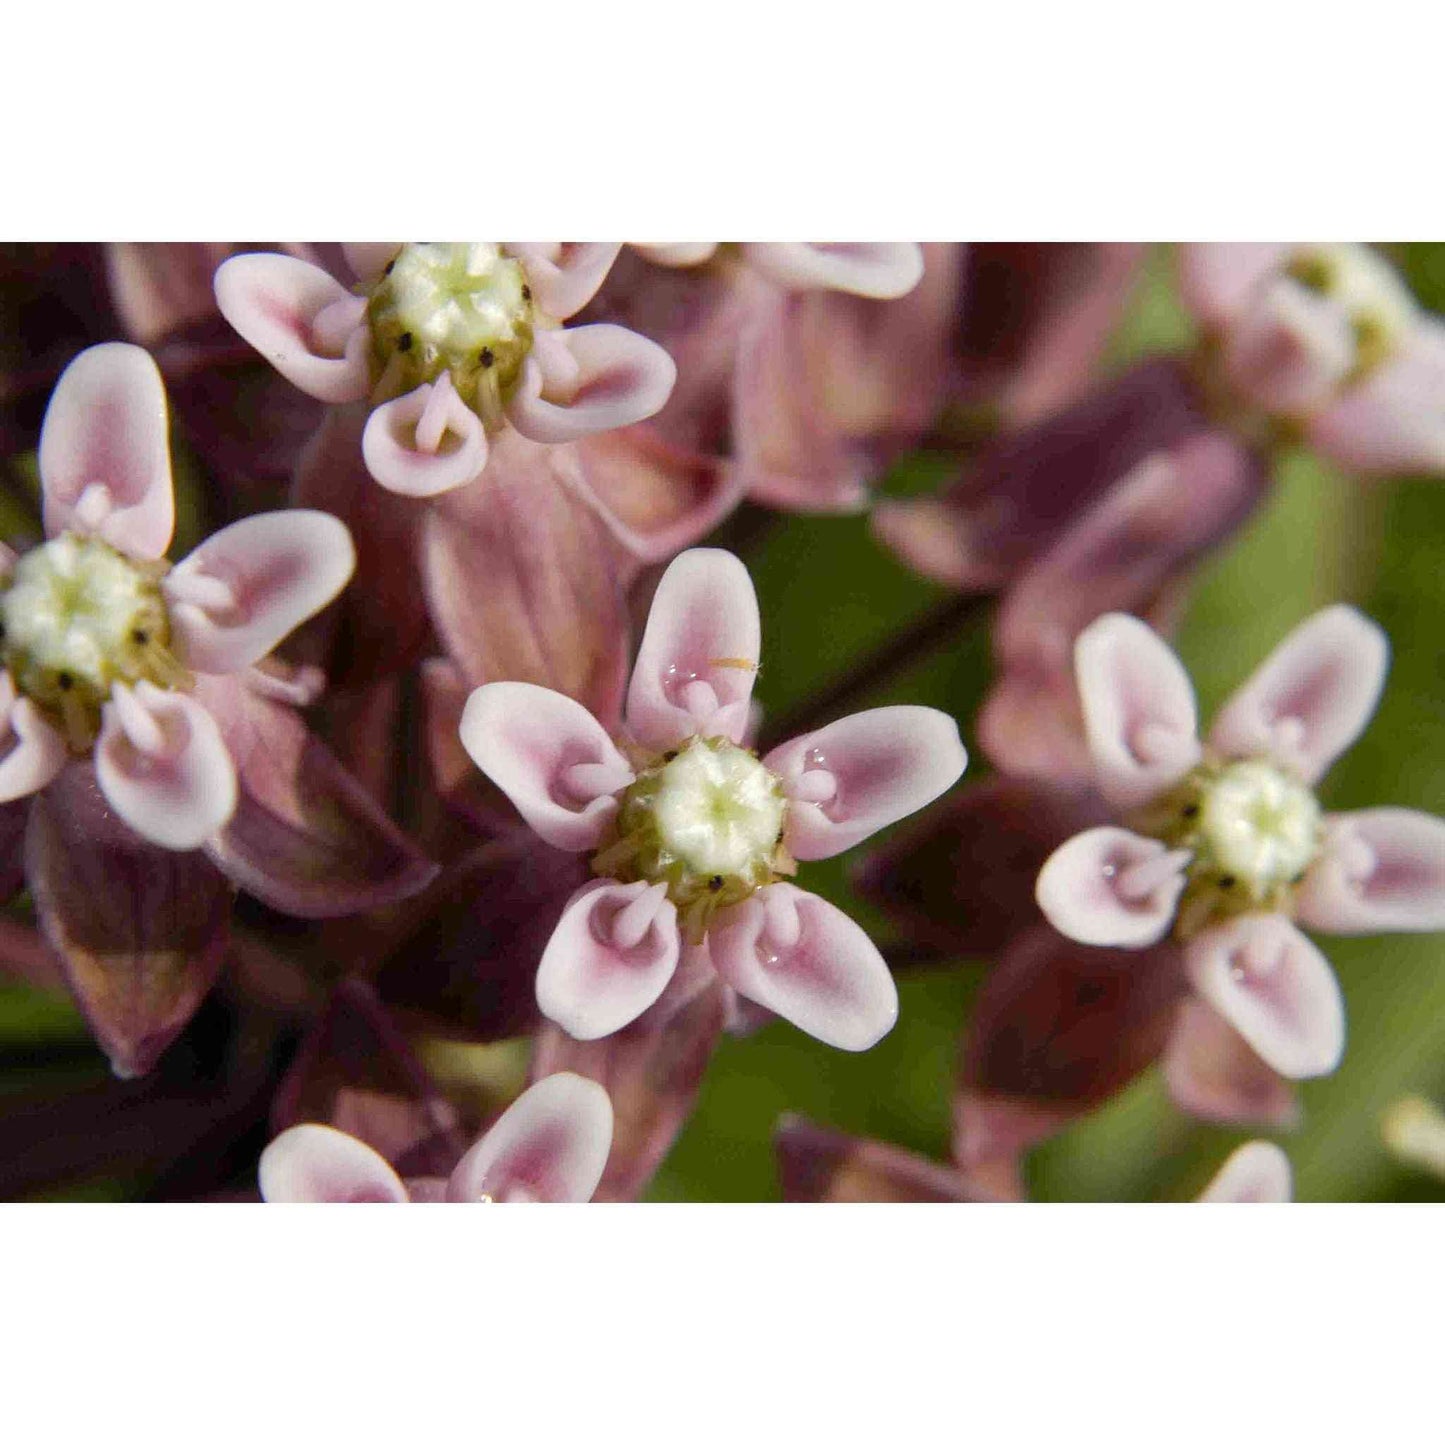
{"type": "Point", "coordinates": [463, 308]}
{"type": "Point", "coordinates": [1259, 825]}
{"type": "Point", "coordinates": [718, 809]}
{"type": "Point", "coordinates": [79, 617]}
{"type": "Point", "coordinates": [1380, 307]}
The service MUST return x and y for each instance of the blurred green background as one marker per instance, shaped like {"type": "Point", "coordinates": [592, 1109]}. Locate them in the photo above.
{"type": "Point", "coordinates": [1320, 538]}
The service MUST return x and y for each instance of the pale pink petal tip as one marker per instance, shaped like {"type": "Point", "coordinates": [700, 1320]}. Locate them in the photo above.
{"type": "Point", "coordinates": [1217, 279]}
{"type": "Point", "coordinates": [314, 1164]}
{"type": "Point", "coordinates": [426, 442]}
{"type": "Point", "coordinates": [550, 1147]}
{"type": "Point", "coordinates": [163, 766]}
{"type": "Point", "coordinates": [1256, 1173]}
{"type": "Point", "coordinates": [1382, 870]}
{"type": "Point", "coordinates": [1311, 697]}
{"type": "Point", "coordinates": [246, 588]}
{"type": "Point", "coordinates": [699, 652]}
{"type": "Point", "coordinates": [1139, 710]}
{"type": "Point", "coordinates": [609, 958]}
{"type": "Point", "coordinates": [797, 955]}
{"type": "Point", "coordinates": [880, 270]}
{"type": "Point", "coordinates": [565, 277]}
{"type": "Point", "coordinates": [1111, 888]}
{"type": "Point", "coordinates": [303, 321]}
{"type": "Point", "coordinates": [861, 773]}
{"type": "Point", "coordinates": [550, 756]}
{"type": "Point", "coordinates": [676, 253]}
{"type": "Point", "coordinates": [1277, 989]}
{"type": "Point", "coordinates": [105, 462]}
{"type": "Point", "coordinates": [590, 379]}
{"type": "Point", "coordinates": [33, 751]}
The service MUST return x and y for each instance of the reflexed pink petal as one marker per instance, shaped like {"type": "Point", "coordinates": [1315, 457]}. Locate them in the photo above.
{"type": "Point", "coordinates": [934, 539]}
{"type": "Point", "coordinates": [1058, 1030]}
{"type": "Point", "coordinates": [875, 768]}
{"type": "Point", "coordinates": [1031, 726]}
{"type": "Point", "coordinates": [1217, 280]}
{"type": "Point", "coordinates": [619, 378]}
{"type": "Point", "coordinates": [1393, 420]}
{"type": "Point", "coordinates": [306, 838]}
{"type": "Point", "coordinates": [426, 442]}
{"type": "Point", "coordinates": [524, 583]}
{"type": "Point", "coordinates": [1263, 975]}
{"type": "Point", "coordinates": [1139, 712]}
{"type": "Point", "coordinates": [613, 951]}
{"type": "Point", "coordinates": [1311, 697]}
{"type": "Point", "coordinates": [651, 1070]}
{"type": "Point", "coordinates": [275, 302]}
{"type": "Point", "coordinates": [314, 1164]}
{"type": "Point", "coordinates": [140, 930]}
{"type": "Point", "coordinates": [564, 282]}
{"type": "Point", "coordinates": [1256, 1173]}
{"type": "Point", "coordinates": [159, 287]}
{"type": "Point", "coordinates": [1111, 888]}
{"type": "Point", "coordinates": [1382, 870]}
{"type": "Point", "coordinates": [105, 461]}
{"type": "Point", "coordinates": [699, 654]}
{"type": "Point", "coordinates": [796, 954]}
{"type": "Point", "coordinates": [250, 585]}
{"type": "Point", "coordinates": [164, 767]}
{"type": "Point", "coordinates": [823, 1166]}
{"type": "Point", "coordinates": [550, 1147]}
{"type": "Point", "coordinates": [655, 499]}
{"type": "Point", "coordinates": [550, 756]}
{"type": "Point", "coordinates": [878, 269]}
{"type": "Point", "coordinates": [1034, 320]}
{"type": "Point", "coordinates": [1213, 1074]}
{"type": "Point", "coordinates": [33, 751]}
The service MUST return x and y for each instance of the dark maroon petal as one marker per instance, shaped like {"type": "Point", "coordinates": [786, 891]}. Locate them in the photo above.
{"type": "Point", "coordinates": [651, 1070]}
{"type": "Point", "coordinates": [961, 877]}
{"type": "Point", "coordinates": [524, 581]}
{"type": "Point", "coordinates": [1024, 491]}
{"type": "Point", "coordinates": [473, 964]}
{"type": "Point", "coordinates": [306, 838]}
{"type": "Point", "coordinates": [1059, 1028]}
{"type": "Point", "coordinates": [356, 1071]}
{"type": "Point", "coordinates": [140, 930]}
{"type": "Point", "coordinates": [13, 817]}
{"type": "Point", "coordinates": [823, 1166]}
{"type": "Point", "coordinates": [831, 387]}
{"type": "Point", "coordinates": [379, 623]}
{"type": "Point", "coordinates": [1034, 319]}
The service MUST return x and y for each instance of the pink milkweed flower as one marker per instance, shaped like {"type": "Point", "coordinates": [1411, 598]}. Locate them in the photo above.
{"type": "Point", "coordinates": [692, 837]}
{"type": "Point", "coordinates": [105, 642]}
{"type": "Point", "coordinates": [1328, 340]}
{"type": "Point", "coordinates": [879, 270]}
{"type": "Point", "coordinates": [550, 1147]}
{"type": "Point", "coordinates": [1224, 845]}
{"type": "Point", "coordinates": [449, 343]}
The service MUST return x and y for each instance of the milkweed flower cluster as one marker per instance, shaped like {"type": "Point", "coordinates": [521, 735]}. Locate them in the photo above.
{"type": "Point", "coordinates": [439, 733]}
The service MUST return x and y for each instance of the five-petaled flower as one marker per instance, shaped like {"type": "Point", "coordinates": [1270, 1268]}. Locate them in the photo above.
{"type": "Point", "coordinates": [449, 342]}
{"type": "Point", "coordinates": [106, 645]}
{"type": "Point", "coordinates": [1328, 340]}
{"type": "Point", "coordinates": [550, 1147]}
{"type": "Point", "coordinates": [1225, 845]}
{"type": "Point", "coordinates": [692, 836]}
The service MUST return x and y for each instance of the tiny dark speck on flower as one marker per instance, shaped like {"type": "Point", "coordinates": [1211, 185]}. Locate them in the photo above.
{"type": "Point", "coordinates": [403, 342]}
{"type": "Point", "coordinates": [487, 358]}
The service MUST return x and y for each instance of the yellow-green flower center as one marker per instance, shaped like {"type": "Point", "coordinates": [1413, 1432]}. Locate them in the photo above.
{"type": "Point", "coordinates": [460, 308]}
{"type": "Point", "coordinates": [1377, 302]}
{"type": "Point", "coordinates": [706, 819]}
{"type": "Point", "coordinates": [79, 617]}
{"type": "Point", "coordinates": [1253, 830]}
